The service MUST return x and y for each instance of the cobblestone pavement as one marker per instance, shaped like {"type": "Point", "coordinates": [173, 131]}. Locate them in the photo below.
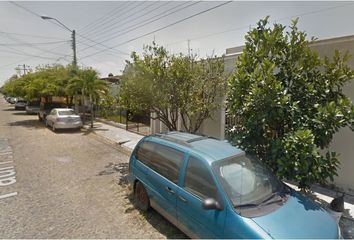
{"type": "Point", "coordinates": [68, 185]}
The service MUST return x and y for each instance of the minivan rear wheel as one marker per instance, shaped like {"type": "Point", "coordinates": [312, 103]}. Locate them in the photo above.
{"type": "Point", "coordinates": [141, 197]}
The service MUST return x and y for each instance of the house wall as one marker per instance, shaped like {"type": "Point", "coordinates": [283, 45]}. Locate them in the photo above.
{"type": "Point", "coordinates": [343, 141]}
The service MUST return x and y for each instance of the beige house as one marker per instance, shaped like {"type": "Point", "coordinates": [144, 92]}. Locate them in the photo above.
{"type": "Point", "coordinates": [343, 141]}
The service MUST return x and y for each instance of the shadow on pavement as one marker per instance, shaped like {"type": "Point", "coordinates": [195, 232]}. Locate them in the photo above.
{"type": "Point", "coordinates": [20, 113]}
{"type": "Point", "coordinates": [91, 130]}
{"type": "Point", "coordinates": [154, 218]}
{"type": "Point", "coordinates": [67, 131]}
{"type": "Point", "coordinates": [29, 123]}
{"type": "Point", "coordinates": [9, 109]}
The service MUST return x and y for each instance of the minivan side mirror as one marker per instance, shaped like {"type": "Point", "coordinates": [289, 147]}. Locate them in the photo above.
{"type": "Point", "coordinates": [211, 204]}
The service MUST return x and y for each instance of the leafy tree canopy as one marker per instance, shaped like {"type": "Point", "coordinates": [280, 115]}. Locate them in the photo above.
{"type": "Point", "coordinates": [289, 102]}
{"type": "Point", "coordinates": [55, 80]}
{"type": "Point", "coordinates": [172, 85]}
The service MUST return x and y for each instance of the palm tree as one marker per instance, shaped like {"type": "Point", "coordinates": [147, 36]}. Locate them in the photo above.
{"type": "Point", "coordinates": [89, 85]}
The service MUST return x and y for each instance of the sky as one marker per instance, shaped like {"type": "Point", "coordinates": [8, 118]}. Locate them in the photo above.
{"type": "Point", "coordinates": [108, 31]}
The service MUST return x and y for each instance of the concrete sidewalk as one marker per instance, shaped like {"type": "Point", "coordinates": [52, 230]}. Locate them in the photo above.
{"type": "Point", "coordinates": [126, 141]}
{"type": "Point", "coordinates": [116, 136]}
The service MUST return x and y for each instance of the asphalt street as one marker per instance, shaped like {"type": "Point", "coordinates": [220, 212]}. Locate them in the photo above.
{"type": "Point", "coordinates": [66, 184]}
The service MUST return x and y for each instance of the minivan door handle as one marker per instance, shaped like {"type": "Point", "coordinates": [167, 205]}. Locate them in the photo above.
{"type": "Point", "coordinates": [169, 190]}
{"type": "Point", "coordinates": [182, 199]}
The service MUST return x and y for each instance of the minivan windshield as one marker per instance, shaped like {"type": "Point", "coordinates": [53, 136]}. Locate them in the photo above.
{"type": "Point", "coordinates": [246, 180]}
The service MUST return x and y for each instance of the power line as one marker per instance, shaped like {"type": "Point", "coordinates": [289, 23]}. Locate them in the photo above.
{"type": "Point", "coordinates": [24, 8]}
{"type": "Point", "coordinates": [245, 27]}
{"type": "Point", "coordinates": [249, 26]}
{"type": "Point", "coordinates": [30, 35]}
{"type": "Point", "coordinates": [159, 29]}
{"type": "Point", "coordinates": [18, 52]}
{"type": "Point", "coordinates": [145, 22]}
{"type": "Point", "coordinates": [126, 11]}
{"type": "Point", "coordinates": [34, 13]}
{"type": "Point", "coordinates": [33, 43]}
{"type": "Point", "coordinates": [106, 17]}
{"type": "Point", "coordinates": [98, 20]}
{"type": "Point", "coordinates": [34, 46]}
{"type": "Point", "coordinates": [31, 57]}
{"type": "Point", "coordinates": [126, 20]}
{"type": "Point", "coordinates": [98, 43]}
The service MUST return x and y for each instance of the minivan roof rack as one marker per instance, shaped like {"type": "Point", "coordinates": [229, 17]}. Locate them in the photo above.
{"type": "Point", "coordinates": [169, 137]}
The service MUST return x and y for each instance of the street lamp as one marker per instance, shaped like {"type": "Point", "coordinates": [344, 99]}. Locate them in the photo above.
{"type": "Point", "coordinates": [72, 35]}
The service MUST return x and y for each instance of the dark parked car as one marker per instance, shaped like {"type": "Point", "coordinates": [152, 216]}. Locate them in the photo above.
{"type": "Point", "coordinates": [32, 107]}
{"type": "Point", "coordinates": [20, 105]}
{"type": "Point", "coordinates": [45, 108]}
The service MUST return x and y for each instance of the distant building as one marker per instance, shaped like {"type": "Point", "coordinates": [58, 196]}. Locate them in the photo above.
{"type": "Point", "coordinates": [113, 82]}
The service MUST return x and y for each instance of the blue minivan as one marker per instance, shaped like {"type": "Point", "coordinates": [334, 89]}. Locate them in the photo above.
{"type": "Point", "coordinates": [211, 189]}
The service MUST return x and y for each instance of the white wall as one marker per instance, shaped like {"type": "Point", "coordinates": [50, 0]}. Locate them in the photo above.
{"type": "Point", "coordinates": [343, 141]}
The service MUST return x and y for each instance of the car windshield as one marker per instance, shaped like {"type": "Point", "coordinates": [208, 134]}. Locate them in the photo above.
{"type": "Point", "coordinates": [66, 112]}
{"type": "Point", "coordinates": [246, 180]}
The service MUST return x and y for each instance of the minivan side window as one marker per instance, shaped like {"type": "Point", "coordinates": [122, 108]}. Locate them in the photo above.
{"type": "Point", "coordinates": [198, 180]}
{"type": "Point", "coordinates": [144, 153]}
{"type": "Point", "coordinates": [164, 160]}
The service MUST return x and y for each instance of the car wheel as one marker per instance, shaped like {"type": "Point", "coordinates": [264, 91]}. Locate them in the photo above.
{"type": "Point", "coordinates": [141, 197]}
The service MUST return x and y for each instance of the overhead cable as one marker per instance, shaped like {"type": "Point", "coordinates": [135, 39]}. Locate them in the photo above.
{"type": "Point", "coordinates": [159, 29]}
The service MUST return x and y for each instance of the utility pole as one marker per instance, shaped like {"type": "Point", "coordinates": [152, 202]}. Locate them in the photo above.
{"type": "Point", "coordinates": [189, 48]}
{"type": "Point", "coordinates": [73, 35]}
{"type": "Point", "coordinates": [24, 69]}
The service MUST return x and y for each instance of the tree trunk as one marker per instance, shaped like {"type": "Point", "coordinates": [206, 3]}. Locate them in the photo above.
{"type": "Point", "coordinates": [91, 111]}
{"type": "Point", "coordinates": [76, 104]}
{"type": "Point", "coordinates": [84, 109]}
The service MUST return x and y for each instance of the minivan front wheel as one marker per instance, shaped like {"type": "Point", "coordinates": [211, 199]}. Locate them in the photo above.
{"type": "Point", "coordinates": [141, 197]}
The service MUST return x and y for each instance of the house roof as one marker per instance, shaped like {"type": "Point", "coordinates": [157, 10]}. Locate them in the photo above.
{"type": "Point", "coordinates": [112, 79]}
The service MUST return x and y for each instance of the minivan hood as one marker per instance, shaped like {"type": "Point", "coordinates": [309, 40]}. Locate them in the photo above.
{"type": "Point", "coordinates": [299, 217]}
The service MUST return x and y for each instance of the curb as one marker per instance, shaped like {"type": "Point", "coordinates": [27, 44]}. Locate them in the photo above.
{"type": "Point", "coordinates": [111, 123]}
{"type": "Point", "coordinates": [114, 144]}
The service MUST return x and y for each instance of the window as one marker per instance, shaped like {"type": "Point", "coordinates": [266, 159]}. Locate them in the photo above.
{"type": "Point", "coordinates": [66, 112]}
{"type": "Point", "coordinates": [164, 160]}
{"type": "Point", "coordinates": [198, 179]}
{"type": "Point", "coordinates": [144, 153]}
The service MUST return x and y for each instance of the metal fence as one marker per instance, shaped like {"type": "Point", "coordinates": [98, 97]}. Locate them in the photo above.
{"type": "Point", "coordinates": [139, 123]}
{"type": "Point", "coordinates": [230, 121]}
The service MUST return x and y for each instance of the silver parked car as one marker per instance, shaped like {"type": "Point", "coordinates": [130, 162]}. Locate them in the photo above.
{"type": "Point", "coordinates": [63, 118]}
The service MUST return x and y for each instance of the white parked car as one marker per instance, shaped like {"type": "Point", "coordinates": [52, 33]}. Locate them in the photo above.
{"type": "Point", "coordinates": [63, 118]}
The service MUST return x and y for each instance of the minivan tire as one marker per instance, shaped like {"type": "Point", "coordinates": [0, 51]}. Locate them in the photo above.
{"type": "Point", "coordinates": [142, 200]}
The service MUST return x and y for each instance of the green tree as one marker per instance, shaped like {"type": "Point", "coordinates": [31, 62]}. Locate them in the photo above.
{"type": "Point", "coordinates": [173, 85]}
{"type": "Point", "coordinates": [289, 103]}
{"type": "Point", "coordinates": [48, 80]}
{"type": "Point", "coordinates": [88, 84]}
